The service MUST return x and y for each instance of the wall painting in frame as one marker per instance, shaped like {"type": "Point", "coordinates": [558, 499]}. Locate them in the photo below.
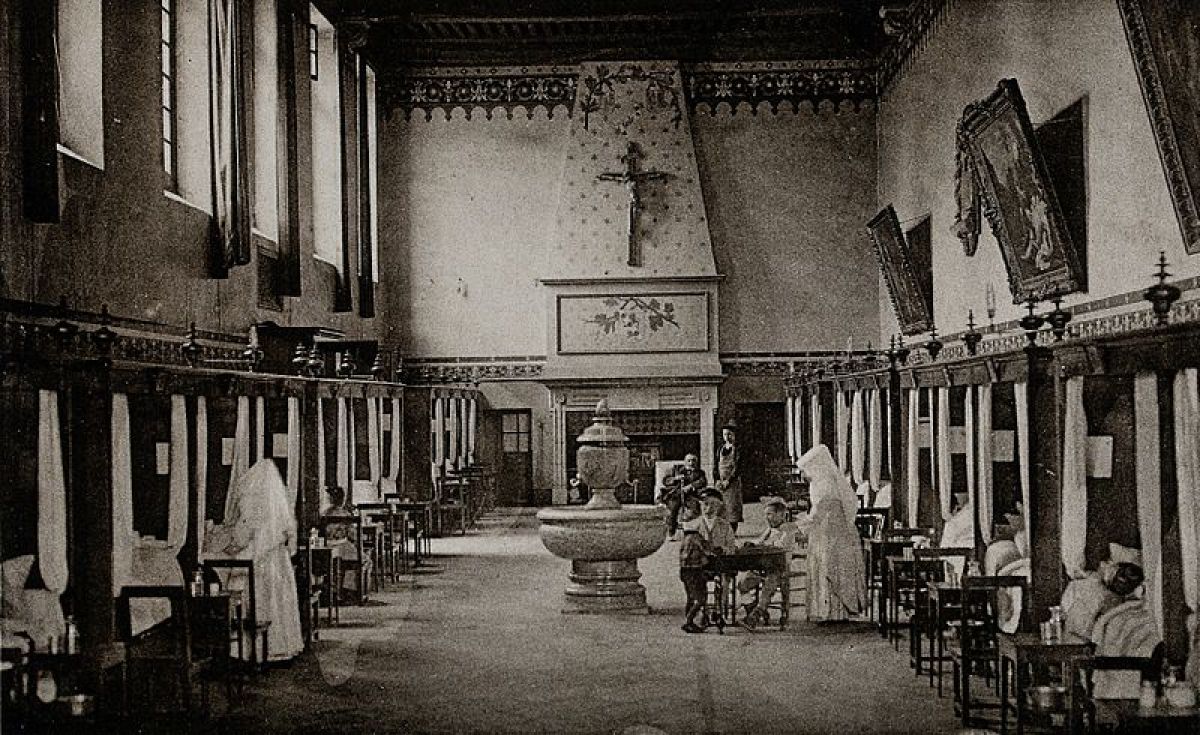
{"type": "Point", "coordinates": [1017, 198]}
{"type": "Point", "coordinates": [1164, 40]}
{"type": "Point", "coordinates": [914, 309]}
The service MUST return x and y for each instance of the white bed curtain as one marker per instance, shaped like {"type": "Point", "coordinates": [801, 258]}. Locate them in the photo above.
{"type": "Point", "coordinates": [1187, 475]}
{"type": "Point", "coordinates": [177, 504]}
{"type": "Point", "coordinates": [397, 422]}
{"type": "Point", "coordinates": [790, 422]}
{"type": "Point", "coordinates": [293, 447]}
{"type": "Point", "coordinates": [345, 472]}
{"type": "Point", "coordinates": [437, 436]}
{"type": "Point", "coordinates": [322, 477]}
{"type": "Point", "coordinates": [472, 428]}
{"type": "Point", "coordinates": [122, 485]}
{"type": "Point", "coordinates": [815, 403]}
{"type": "Point", "coordinates": [1021, 401]}
{"type": "Point", "coordinates": [52, 496]}
{"type": "Point", "coordinates": [1073, 518]}
{"type": "Point", "coordinates": [260, 429]}
{"type": "Point", "coordinates": [913, 490]}
{"type": "Point", "coordinates": [983, 460]}
{"type": "Point", "coordinates": [1149, 487]}
{"type": "Point", "coordinates": [374, 461]}
{"type": "Point", "coordinates": [875, 440]}
{"type": "Point", "coordinates": [941, 451]}
{"type": "Point", "coordinates": [798, 426]}
{"type": "Point", "coordinates": [347, 430]}
{"type": "Point", "coordinates": [241, 441]}
{"type": "Point", "coordinates": [969, 430]}
{"type": "Point", "coordinates": [200, 473]}
{"type": "Point", "coordinates": [857, 438]}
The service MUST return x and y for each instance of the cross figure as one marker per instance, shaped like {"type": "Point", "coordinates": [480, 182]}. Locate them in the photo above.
{"type": "Point", "coordinates": [631, 178]}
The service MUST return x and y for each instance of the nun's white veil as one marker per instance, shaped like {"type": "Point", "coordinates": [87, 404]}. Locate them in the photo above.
{"type": "Point", "coordinates": [826, 482]}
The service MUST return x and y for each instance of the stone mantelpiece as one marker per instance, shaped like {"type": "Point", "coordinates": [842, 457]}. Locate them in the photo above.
{"type": "Point", "coordinates": [564, 399]}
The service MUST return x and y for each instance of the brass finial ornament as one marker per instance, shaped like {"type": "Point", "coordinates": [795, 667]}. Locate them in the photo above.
{"type": "Point", "coordinates": [300, 359]}
{"type": "Point", "coordinates": [104, 337]}
{"type": "Point", "coordinates": [902, 352]}
{"type": "Point", "coordinates": [971, 337]}
{"type": "Point", "coordinates": [1162, 294]}
{"type": "Point", "coordinates": [316, 365]}
{"type": "Point", "coordinates": [346, 366]}
{"type": "Point", "coordinates": [934, 345]}
{"type": "Point", "coordinates": [1031, 323]}
{"type": "Point", "coordinates": [1058, 319]}
{"type": "Point", "coordinates": [378, 369]}
{"type": "Point", "coordinates": [191, 349]}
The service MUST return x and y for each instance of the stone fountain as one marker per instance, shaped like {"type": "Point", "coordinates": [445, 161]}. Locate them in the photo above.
{"type": "Point", "coordinates": [603, 539]}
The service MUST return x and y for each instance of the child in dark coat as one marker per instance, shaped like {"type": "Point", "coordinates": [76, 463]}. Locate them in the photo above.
{"type": "Point", "coordinates": [693, 554]}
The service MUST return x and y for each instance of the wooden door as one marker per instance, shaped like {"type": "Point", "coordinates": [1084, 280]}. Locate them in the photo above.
{"type": "Point", "coordinates": [514, 480]}
{"type": "Point", "coordinates": [762, 441]}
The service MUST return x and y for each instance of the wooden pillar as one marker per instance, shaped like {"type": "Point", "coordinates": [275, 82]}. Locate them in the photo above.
{"type": "Point", "coordinates": [1047, 402]}
{"type": "Point", "coordinates": [90, 480]}
{"type": "Point", "coordinates": [1174, 607]}
{"type": "Point", "coordinates": [308, 499]}
{"type": "Point", "coordinates": [828, 396]}
{"type": "Point", "coordinates": [899, 447]}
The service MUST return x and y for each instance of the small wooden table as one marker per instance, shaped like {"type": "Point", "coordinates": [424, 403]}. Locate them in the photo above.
{"type": "Point", "coordinates": [422, 511]}
{"type": "Point", "coordinates": [753, 559]}
{"type": "Point", "coordinates": [1022, 652]}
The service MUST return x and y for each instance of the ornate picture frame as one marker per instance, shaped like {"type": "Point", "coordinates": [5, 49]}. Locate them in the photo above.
{"type": "Point", "coordinates": [899, 272]}
{"type": "Point", "coordinates": [1018, 199]}
{"type": "Point", "coordinates": [1167, 61]}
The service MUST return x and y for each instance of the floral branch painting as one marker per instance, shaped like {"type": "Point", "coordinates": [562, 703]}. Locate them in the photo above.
{"type": "Point", "coordinates": [632, 314]}
{"type": "Point", "coordinates": [644, 322]}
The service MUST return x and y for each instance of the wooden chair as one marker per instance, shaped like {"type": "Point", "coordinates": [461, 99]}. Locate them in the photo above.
{"type": "Point", "coordinates": [346, 531]}
{"type": "Point", "coordinates": [921, 621]}
{"type": "Point", "coordinates": [393, 545]}
{"type": "Point", "coordinates": [1086, 708]}
{"type": "Point", "coordinates": [977, 630]}
{"type": "Point", "coordinates": [246, 625]}
{"type": "Point", "coordinates": [164, 648]}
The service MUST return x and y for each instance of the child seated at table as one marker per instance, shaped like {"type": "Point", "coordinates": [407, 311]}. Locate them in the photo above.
{"type": "Point", "coordinates": [694, 553]}
{"type": "Point", "coordinates": [780, 534]}
{"type": "Point", "coordinates": [714, 528]}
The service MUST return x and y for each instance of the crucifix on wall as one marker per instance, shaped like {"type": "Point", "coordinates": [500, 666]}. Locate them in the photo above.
{"type": "Point", "coordinates": [632, 178]}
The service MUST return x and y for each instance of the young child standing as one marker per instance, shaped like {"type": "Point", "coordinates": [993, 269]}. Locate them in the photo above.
{"type": "Point", "coordinates": [693, 553]}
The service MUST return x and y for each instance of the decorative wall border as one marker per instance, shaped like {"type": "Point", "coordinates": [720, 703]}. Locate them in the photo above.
{"type": "Point", "coordinates": [445, 370]}
{"type": "Point", "coordinates": [781, 365]}
{"type": "Point", "coordinates": [708, 87]}
{"type": "Point", "coordinates": [833, 82]}
{"type": "Point", "coordinates": [912, 31]}
{"type": "Point", "coordinates": [467, 88]}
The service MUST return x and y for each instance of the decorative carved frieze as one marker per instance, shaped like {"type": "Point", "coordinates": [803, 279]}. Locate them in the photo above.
{"type": "Point", "coordinates": [446, 371]}
{"type": "Point", "coordinates": [706, 87]}
{"type": "Point", "coordinates": [834, 82]}
{"type": "Point", "coordinates": [491, 89]}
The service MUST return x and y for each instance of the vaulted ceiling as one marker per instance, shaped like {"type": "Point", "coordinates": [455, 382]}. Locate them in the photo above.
{"type": "Point", "coordinates": [529, 32]}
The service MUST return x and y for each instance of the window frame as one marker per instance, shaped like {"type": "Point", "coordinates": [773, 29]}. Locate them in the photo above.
{"type": "Point", "coordinates": [169, 92]}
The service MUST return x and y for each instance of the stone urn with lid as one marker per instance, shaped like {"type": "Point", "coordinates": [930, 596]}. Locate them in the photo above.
{"type": "Point", "coordinates": [603, 539]}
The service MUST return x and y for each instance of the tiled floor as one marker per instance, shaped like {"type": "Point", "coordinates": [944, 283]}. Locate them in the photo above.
{"type": "Point", "coordinates": [477, 644]}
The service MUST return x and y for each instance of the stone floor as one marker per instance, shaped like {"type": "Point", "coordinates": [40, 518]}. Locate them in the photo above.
{"type": "Point", "coordinates": [477, 643]}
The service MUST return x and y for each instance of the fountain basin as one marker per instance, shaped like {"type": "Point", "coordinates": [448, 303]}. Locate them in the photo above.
{"type": "Point", "coordinates": [603, 546]}
{"type": "Point", "coordinates": [580, 534]}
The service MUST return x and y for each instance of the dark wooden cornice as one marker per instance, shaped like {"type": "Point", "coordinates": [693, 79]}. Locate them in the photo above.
{"type": "Point", "coordinates": [474, 32]}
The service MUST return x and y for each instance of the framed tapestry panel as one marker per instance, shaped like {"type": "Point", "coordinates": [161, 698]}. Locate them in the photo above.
{"type": "Point", "coordinates": [913, 306]}
{"type": "Point", "coordinates": [1017, 198]}
{"type": "Point", "coordinates": [632, 323]}
{"type": "Point", "coordinates": [1162, 38]}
